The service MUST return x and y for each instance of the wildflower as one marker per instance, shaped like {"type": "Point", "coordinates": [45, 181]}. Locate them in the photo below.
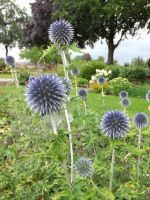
{"type": "Point", "coordinates": [140, 120]}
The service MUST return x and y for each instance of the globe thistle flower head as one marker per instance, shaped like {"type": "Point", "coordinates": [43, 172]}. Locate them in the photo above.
{"type": "Point", "coordinates": [10, 61]}
{"type": "Point", "coordinates": [101, 80]}
{"type": "Point", "coordinates": [82, 93]}
{"type": "Point", "coordinates": [83, 167]}
{"type": "Point", "coordinates": [46, 94]}
{"type": "Point", "coordinates": [67, 84]}
{"type": "Point", "coordinates": [140, 120]}
{"type": "Point", "coordinates": [60, 32]}
{"type": "Point", "coordinates": [75, 72]}
{"type": "Point", "coordinates": [123, 94]}
{"type": "Point", "coordinates": [31, 78]}
{"type": "Point", "coordinates": [114, 124]}
{"type": "Point", "coordinates": [125, 102]}
{"type": "Point", "coordinates": [148, 96]}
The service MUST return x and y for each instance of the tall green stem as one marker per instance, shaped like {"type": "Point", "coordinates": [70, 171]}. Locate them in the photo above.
{"type": "Point", "coordinates": [85, 107]}
{"type": "Point", "coordinates": [112, 169]}
{"type": "Point", "coordinates": [64, 60]}
{"type": "Point", "coordinates": [139, 147]}
{"type": "Point", "coordinates": [76, 86]}
{"type": "Point", "coordinates": [53, 123]}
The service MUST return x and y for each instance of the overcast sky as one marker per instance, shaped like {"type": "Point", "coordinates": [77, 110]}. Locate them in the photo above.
{"type": "Point", "coordinates": [128, 49]}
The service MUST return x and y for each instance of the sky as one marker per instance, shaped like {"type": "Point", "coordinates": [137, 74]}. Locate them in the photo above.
{"type": "Point", "coordinates": [125, 52]}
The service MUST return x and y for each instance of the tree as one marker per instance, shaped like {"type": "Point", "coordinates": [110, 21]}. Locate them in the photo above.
{"type": "Point", "coordinates": [11, 19]}
{"type": "Point", "coordinates": [86, 56]}
{"type": "Point", "coordinates": [35, 30]}
{"type": "Point", "coordinates": [104, 19]}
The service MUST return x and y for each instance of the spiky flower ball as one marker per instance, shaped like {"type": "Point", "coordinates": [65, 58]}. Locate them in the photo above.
{"type": "Point", "coordinates": [61, 32]}
{"type": "Point", "coordinates": [101, 80]}
{"type": "Point", "coordinates": [148, 96]}
{"type": "Point", "coordinates": [140, 120]}
{"type": "Point", "coordinates": [31, 78]}
{"type": "Point", "coordinates": [75, 72]}
{"type": "Point", "coordinates": [67, 84]}
{"type": "Point", "coordinates": [83, 166]}
{"type": "Point", "coordinates": [123, 94]}
{"type": "Point", "coordinates": [46, 94]}
{"type": "Point", "coordinates": [10, 61]}
{"type": "Point", "coordinates": [126, 102]}
{"type": "Point", "coordinates": [82, 93]}
{"type": "Point", "coordinates": [114, 124]}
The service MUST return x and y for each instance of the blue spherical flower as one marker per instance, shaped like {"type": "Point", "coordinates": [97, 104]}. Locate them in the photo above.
{"type": "Point", "coordinates": [114, 124]}
{"type": "Point", "coordinates": [140, 120]}
{"type": "Point", "coordinates": [123, 94]}
{"type": "Point", "coordinates": [10, 61]}
{"type": "Point", "coordinates": [75, 72]}
{"type": "Point", "coordinates": [61, 32]}
{"type": "Point", "coordinates": [46, 94]}
{"type": "Point", "coordinates": [125, 102]}
{"type": "Point", "coordinates": [148, 96]}
{"type": "Point", "coordinates": [83, 166]}
{"type": "Point", "coordinates": [67, 84]}
{"type": "Point", "coordinates": [82, 93]}
{"type": "Point", "coordinates": [31, 78]}
{"type": "Point", "coordinates": [101, 80]}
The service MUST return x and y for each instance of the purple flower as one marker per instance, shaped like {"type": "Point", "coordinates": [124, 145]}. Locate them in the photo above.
{"type": "Point", "coordinates": [114, 124]}
{"type": "Point", "coordinates": [82, 93]}
{"type": "Point", "coordinates": [75, 72]}
{"type": "Point", "coordinates": [101, 80]}
{"type": "Point", "coordinates": [123, 94]}
{"type": "Point", "coordinates": [61, 32]}
{"type": "Point", "coordinates": [125, 102]}
{"type": "Point", "coordinates": [148, 96]}
{"type": "Point", "coordinates": [140, 120]}
{"type": "Point", "coordinates": [67, 84]}
{"type": "Point", "coordinates": [46, 94]}
{"type": "Point", "coordinates": [10, 61]}
{"type": "Point", "coordinates": [31, 78]}
{"type": "Point", "coordinates": [83, 166]}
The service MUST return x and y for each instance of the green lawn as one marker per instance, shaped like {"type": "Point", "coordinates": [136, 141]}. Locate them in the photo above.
{"type": "Point", "coordinates": [94, 101]}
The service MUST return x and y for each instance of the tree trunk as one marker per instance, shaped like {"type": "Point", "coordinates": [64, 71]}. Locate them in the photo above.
{"type": "Point", "coordinates": [111, 48]}
{"type": "Point", "coordinates": [6, 49]}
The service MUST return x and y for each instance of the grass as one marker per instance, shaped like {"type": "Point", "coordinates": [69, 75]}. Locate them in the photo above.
{"type": "Point", "coordinates": [94, 101]}
{"type": "Point", "coordinates": [2, 75]}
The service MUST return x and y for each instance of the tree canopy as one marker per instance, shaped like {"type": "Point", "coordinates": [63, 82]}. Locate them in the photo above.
{"type": "Point", "coordinates": [111, 20]}
{"type": "Point", "coordinates": [11, 19]}
{"type": "Point", "coordinates": [35, 30]}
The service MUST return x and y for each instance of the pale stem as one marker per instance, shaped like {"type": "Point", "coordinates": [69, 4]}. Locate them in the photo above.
{"type": "Point", "coordinates": [112, 169]}
{"type": "Point", "coordinates": [85, 107]}
{"type": "Point", "coordinates": [14, 77]}
{"type": "Point", "coordinates": [103, 102]}
{"type": "Point", "coordinates": [139, 146]}
{"type": "Point", "coordinates": [64, 60]}
{"type": "Point", "coordinates": [76, 86]}
{"type": "Point", "coordinates": [95, 186]}
{"type": "Point", "coordinates": [53, 123]}
{"type": "Point", "coordinates": [124, 110]}
{"type": "Point", "coordinates": [70, 143]}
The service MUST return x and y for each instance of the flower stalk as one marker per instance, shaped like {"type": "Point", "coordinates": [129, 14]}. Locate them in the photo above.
{"type": "Point", "coordinates": [112, 169]}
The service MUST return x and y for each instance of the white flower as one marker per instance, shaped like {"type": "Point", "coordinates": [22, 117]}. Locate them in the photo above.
{"type": "Point", "coordinates": [109, 72]}
{"type": "Point", "coordinates": [93, 78]}
{"type": "Point", "coordinates": [98, 70]}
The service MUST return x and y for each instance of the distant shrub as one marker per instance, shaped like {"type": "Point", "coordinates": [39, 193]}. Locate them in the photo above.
{"type": "Point", "coordinates": [2, 64]}
{"type": "Point", "coordinates": [119, 84]}
{"type": "Point", "coordinates": [115, 71]}
{"type": "Point", "coordinates": [90, 68]}
{"type": "Point", "coordinates": [23, 77]}
{"type": "Point", "coordinates": [134, 74]}
{"type": "Point", "coordinates": [82, 82]}
{"type": "Point", "coordinates": [97, 87]}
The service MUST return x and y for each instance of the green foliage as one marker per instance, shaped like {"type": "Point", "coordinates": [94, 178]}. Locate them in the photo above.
{"type": "Point", "coordinates": [134, 74]}
{"type": "Point", "coordinates": [115, 71]}
{"type": "Point", "coordinates": [90, 68]}
{"type": "Point", "coordinates": [11, 19]}
{"type": "Point", "coordinates": [23, 77]}
{"type": "Point", "coordinates": [32, 54]}
{"type": "Point", "coordinates": [119, 84]}
{"type": "Point", "coordinates": [138, 61]}
{"type": "Point", "coordinates": [2, 64]}
{"type": "Point", "coordinates": [82, 82]}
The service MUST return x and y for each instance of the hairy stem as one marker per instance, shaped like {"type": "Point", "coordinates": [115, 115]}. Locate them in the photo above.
{"type": "Point", "coordinates": [76, 86]}
{"type": "Point", "coordinates": [112, 169]}
{"type": "Point", "coordinates": [53, 123]}
{"type": "Point", "coordinates": [64, 60]}
{"type": "Point", "coordinates": [70, 144]}
{"type": "Point", "coordinates": [103, 102]}
{"type": "Point", "coordinates": [85, 107]}
{"type": "Point", "coordinates": [139, 146]}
